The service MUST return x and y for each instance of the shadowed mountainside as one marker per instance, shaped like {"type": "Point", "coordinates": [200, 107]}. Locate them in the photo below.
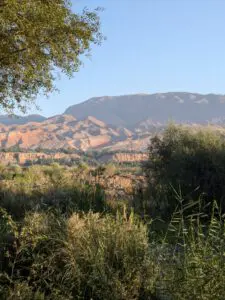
{"type": "Point", "coordinates": [129, 110]}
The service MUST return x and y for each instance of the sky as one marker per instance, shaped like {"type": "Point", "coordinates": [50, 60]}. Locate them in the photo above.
{"type": "Point", "coordinates": [152, 46]}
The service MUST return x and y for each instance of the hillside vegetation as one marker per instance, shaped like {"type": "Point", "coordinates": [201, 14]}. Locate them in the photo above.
{"type": "Point", "coordinates": [65, 235]}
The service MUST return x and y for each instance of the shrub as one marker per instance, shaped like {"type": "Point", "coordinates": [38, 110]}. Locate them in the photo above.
{"type": "Point", "coordinates": [110, 169]}
{"type": "Point", "coordinates": [188, 162]}
{"type": "Point", "coordinates": [40, 188]}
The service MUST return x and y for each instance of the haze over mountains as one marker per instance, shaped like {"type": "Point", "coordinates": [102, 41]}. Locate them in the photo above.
{"type": "Point", "coordinates": [118, 122]}
{"type": "Point", "coordinates": [130, 110]}
{"type": "Point", "coordinates": [19, 120]}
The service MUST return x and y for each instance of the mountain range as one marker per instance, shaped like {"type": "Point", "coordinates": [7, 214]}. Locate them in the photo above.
{"type": "Point", "coordinates": [115, 123]}
{"type": "Point", "coordinates": [129, 110]}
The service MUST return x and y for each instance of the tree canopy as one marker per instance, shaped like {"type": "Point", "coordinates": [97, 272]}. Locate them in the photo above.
{"type": "Point", "coordinates": [38, 37]}
{"type": "Point", "coordinates": [185, 164]}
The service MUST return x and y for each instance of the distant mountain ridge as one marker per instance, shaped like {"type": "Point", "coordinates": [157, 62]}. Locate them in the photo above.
{"type": "Point", "coordinates": [111, 123]}
{"type": "Point", "coordinates": [20, 120]}
{"type": "Point", "coordinates": [129, 110]}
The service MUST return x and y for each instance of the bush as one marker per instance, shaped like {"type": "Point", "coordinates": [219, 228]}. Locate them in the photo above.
{"type": "Point", "coordinates": [108, 170]}
{"type": "Point", "coordinates": [185, 163]}
{"type": "Point", "coordinates": [40, 188]}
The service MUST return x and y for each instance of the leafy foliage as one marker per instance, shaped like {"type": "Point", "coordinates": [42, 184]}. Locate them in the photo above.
{"type": "Point", "coordinates": [37, 38]}
{"type": "Point", "coordinates": [188, 164]}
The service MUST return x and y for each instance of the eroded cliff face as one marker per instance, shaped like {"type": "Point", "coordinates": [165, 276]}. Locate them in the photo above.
{"type": "Point", "coordinates": [123, 157]}
{"type": "Point", "coordinates": [62, 132]}
{"type": "Point", "coordinates": [66, 132]}
{"type": "Point", "coordinates": [130, 157]}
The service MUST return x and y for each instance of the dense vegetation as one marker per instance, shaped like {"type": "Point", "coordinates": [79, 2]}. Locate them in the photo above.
{"type": "Point", "coordinates": [185, 164]}
{"type": "Point", "coordinates": [61, 237]}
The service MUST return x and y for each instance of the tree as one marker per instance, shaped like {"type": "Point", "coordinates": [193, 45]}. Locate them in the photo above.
{"type": "Point", "coordinates": [185, 164]}
{"type": "Point", "coordinates": [38, 37]}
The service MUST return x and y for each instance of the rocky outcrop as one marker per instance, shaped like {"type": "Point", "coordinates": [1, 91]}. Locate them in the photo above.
{"type": "Point", "coordinates": [123, 157]}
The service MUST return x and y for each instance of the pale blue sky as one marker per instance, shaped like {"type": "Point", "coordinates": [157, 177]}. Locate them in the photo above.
{"type": "Point", "coordinates": [152, 46]}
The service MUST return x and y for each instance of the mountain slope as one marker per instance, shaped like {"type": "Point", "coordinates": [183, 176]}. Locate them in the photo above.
{"type": "Point", "coordinates": [62, 132]}
{"type": "Point", "coordinates": [129, 110]}
{"type": "Point", "coordinates": [113, 123]}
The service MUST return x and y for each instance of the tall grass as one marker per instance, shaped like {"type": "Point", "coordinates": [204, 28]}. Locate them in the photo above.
{"type": "Point", "coordinates": [195, 265]}
{"type": "Point", "coordinates": [94, 256]}
{"type": "Point", "coordinates": [59, 240]}
{"type": "Point", "coordinates": [83, 257]}
{"type": "Point", "coordinates": [42, 188]}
